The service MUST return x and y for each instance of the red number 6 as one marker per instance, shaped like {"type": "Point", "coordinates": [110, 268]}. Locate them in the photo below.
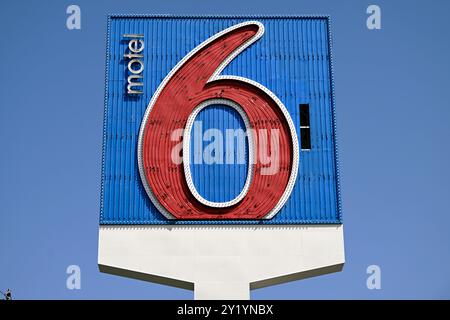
{"type": "Point", "coordinates": [192, 84]}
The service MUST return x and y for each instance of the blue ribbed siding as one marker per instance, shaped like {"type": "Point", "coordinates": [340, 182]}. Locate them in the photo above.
{"type": "Point", "coordinates": [292, 59]}
{"type": "Point", "coordinates": [223, 179]}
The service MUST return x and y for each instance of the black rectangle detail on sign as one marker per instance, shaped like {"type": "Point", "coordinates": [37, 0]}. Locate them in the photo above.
{"type": "Point", "coordinates": [304, 115]}
{"type": "Point", "coordinates": [305, 134]}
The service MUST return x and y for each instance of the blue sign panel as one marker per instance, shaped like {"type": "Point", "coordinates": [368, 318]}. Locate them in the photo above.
{"type": "Point", "coordinates": [219, 120]}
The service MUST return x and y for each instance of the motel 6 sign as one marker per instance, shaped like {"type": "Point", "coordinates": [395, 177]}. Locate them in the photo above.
{"type": "Point", "coordinates": [225, 121]}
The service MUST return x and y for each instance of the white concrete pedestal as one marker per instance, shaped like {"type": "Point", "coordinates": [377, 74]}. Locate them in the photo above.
{"type": "Point", "coordinates": [221, 262]}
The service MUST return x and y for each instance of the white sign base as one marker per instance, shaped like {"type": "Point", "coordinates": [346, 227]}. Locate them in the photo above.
{"type": "Point", "coordinates": [221, 261]}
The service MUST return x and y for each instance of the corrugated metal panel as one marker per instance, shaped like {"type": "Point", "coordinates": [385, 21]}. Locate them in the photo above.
{"type": "Point", "coordinates": [292, 59]}
{"type": "Point", "coordinates": [219, 182]}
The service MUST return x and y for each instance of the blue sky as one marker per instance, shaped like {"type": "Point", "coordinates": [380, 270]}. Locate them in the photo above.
{"type": "Point", "coordinates": [393, 119]}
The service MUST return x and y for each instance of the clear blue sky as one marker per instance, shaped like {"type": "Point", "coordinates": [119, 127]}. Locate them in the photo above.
{"type": "Point", "coordinates": [393, 116]}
